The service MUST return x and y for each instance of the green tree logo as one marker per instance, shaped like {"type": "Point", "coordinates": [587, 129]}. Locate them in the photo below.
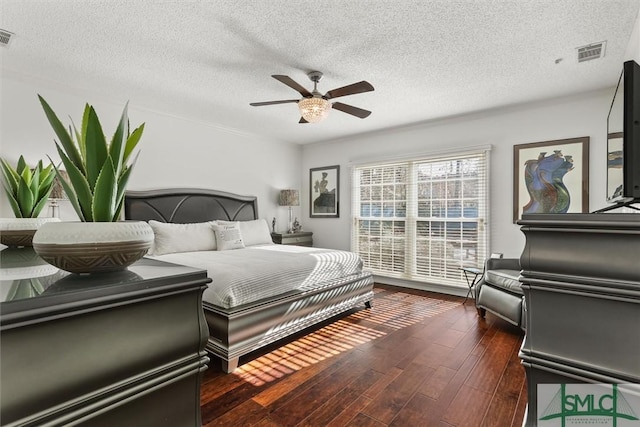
{"type": "Point", "coordinates": [566, 405]}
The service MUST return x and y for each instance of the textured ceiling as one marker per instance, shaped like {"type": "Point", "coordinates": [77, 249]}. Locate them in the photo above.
{"type": "Point", "coordinates": [207, 60]}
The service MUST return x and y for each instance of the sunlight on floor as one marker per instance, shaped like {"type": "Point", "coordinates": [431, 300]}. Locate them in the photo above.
{"type": "Point", "coordinates": [389, 311]}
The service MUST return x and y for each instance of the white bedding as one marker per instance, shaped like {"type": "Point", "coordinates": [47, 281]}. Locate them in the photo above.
{"type": "Point", "coordinates": [246, 275]}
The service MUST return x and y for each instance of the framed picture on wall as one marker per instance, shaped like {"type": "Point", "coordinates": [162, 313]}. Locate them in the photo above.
{"type": "Point", "coordinates": [324, 192]}
{"type": "Point", "coordinates": [551, 177]}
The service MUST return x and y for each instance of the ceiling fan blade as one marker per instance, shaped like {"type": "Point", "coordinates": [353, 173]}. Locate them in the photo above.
{"type": "Point", "coordinates": [293, 84]}
{"type": "Point", "coordinates": [302, 120]}
{"type": "Point", "coordinates": [350, 109]}
{"type": "Point", "coordinates": [286, 101]}
{"type": "Point", "coordinates": [359, 87]}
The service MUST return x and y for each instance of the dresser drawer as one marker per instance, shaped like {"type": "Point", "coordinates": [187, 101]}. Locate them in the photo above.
{"type": "Point", "coordinates": [297, 239]}
{"type": "Point", "coordinates": [301, 241]}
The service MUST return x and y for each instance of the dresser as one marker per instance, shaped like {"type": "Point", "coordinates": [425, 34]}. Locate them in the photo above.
{"type": "Point", "coordinates": [581, 281]}
{"type": "Point", "coordinates": [302, 238]}
{"type": "Point", "coordinates": [122, 348]}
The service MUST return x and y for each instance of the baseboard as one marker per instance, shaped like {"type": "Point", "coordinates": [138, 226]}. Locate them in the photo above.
{"type": "Point", "coordinates": [458, 291]}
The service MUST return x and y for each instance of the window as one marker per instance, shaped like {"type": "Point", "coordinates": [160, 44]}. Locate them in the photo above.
{"type": "Point", "coordinates": [422, 219]}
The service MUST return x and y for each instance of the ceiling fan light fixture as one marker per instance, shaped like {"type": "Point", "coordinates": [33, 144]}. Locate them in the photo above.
{"type": "Point", "coordinates": [314, 107]}
{"type": "Point", "coordinates": [314, 110]}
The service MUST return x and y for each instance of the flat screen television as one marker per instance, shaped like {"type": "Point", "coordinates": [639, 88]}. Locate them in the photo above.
{"type": "Point", "coordinates": [623, 139]}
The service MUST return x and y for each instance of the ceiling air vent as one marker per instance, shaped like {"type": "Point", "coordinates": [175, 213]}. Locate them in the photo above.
{"type": "Point", "coordinates": [5, 37]}
{"type": "Point", "coordinates": [591, 51]}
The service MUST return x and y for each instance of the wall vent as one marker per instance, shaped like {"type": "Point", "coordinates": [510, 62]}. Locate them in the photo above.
{"type": "Point", "coordinates": [5, 37]}
{"type": "Point", "coordinates": [591, 51]}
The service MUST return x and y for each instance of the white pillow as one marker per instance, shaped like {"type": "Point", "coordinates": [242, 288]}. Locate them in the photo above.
{"type": "Point", "coordinates": [228, 236]}
{"type": "Point", "coordinates": [255, 232]}
{"type": "Point", "coordinates": [170, 238]}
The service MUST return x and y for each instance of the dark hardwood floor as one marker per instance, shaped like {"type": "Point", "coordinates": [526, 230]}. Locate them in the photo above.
{"type": "Point", "coordinates": [414, 359]}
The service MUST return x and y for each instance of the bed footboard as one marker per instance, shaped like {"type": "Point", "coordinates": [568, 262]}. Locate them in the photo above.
{"type": "Point", "coordinates": [236, 332]}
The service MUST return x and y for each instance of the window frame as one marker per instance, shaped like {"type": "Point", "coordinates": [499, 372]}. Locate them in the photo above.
{"type": "Point", "coordinates": [451, 273]}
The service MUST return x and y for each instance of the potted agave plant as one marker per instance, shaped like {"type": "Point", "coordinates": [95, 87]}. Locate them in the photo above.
{"type": "Point", "coordinates": [27, 191]}
{"type": "Point", "coordinates": [98, 172]}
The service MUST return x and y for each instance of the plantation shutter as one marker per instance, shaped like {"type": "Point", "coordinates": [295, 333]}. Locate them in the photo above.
{"type": "Point", "coordinates": [422, 219]}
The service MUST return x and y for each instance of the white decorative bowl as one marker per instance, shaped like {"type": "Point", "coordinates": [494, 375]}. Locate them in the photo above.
{"type": "Point", "coordinates": [90, 247]}
{"type": "Point", "coordinates": [16, 232]}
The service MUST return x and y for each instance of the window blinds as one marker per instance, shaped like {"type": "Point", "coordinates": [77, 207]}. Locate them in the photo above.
{"type": "Point", "coordinates": [422, 219]}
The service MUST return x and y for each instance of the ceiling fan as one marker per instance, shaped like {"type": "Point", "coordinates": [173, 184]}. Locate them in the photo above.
{"type": "Point", "coordinates": [314, 107]}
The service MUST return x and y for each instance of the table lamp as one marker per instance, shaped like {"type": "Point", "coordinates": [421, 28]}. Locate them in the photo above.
{"type": "Point", "coordinates": [289, 198]}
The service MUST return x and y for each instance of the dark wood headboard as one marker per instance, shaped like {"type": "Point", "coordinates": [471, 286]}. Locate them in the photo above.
{"type": "Point", "coordinates": [188, 205]}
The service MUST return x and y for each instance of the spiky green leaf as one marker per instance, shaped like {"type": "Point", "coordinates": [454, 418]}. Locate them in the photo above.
{"type": "Point", "coordinates": [65, 137]}
{"type": "Point", "coordinates": [69, 190]}
{"type": "Point", "coordinates": [96, 146]}
{"type": "Point", "coordinates": [25, 198]}
{"type": "Point", "coordinates": [116, 215]}
{"type": "Point", "coordinates": [40, 204]}
{"type": "Point", "coordinates": [132, 142]}
{"type": "Point", "coordinates": [46, 182]}
{"type": "Point", "coordinates": [11, 177]}
{"type": "Point", "coordinates": [47, 175]}
{"type": "Point", "coordinates": [122, 185]}
{"type": "Point", "coordinates": [79, 188]}
{"type": "Point", "coordinates": [80, 139]}
{"type": "Point", "coordinates": [85, 122]}
{"type": "Point", "coordinates": [81, 134]}
{"type": "Point", "coordinates": [15, 207]}
{"type": "Point", "coordinates": [26, 175]}
{"type": "Point", "coordinates": [104, 196]}
{"type": "Point", "coordinates": [40, 168]}
{"type": "Point", "coordinates": [35, 189]}
{"type": "Point", "coordinates": [22, 165]}
{"type": "Point", "coordinates": [119, 141]}
{"type": "Point", "coordinates": [34, 185]}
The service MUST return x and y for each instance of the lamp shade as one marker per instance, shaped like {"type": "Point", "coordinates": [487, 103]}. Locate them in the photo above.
{"type": "Point", "coordinates": [57, 191]}
{"type": "Point", "coordinates": [289, 198]}
{"type": "Point", "coordinates": [314, 109]}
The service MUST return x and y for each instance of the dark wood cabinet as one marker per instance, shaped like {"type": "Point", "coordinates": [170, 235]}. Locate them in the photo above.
{"type": "Point", "coordinates": [123, 348]}
{"type": "Point", "coordinates": [302, 238]}
{"type": "Point", "coordinates": [581, 281]}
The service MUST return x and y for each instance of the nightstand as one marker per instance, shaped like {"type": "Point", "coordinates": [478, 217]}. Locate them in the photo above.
{"type": "Point", "coordinates": [302, 238]}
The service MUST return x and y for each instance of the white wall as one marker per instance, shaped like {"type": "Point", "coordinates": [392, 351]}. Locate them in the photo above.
{"type": "Point", "coordinates": [583, 115]}
{"type": "Point", "coordinates": [571, 117]}
{"type": "Point", "coordinates": [633, 48]}
{"type": "Point", "coordinates": [174, 151]}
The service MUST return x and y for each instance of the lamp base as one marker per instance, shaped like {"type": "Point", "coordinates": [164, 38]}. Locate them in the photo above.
{"type": "Point", "coordinates": [290, 229]}
{"type": "Point", "coordinates": [55, 208]}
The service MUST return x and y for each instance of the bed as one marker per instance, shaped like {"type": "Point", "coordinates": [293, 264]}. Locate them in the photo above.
{"type": "Point", "coordinates": [242, 319]}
